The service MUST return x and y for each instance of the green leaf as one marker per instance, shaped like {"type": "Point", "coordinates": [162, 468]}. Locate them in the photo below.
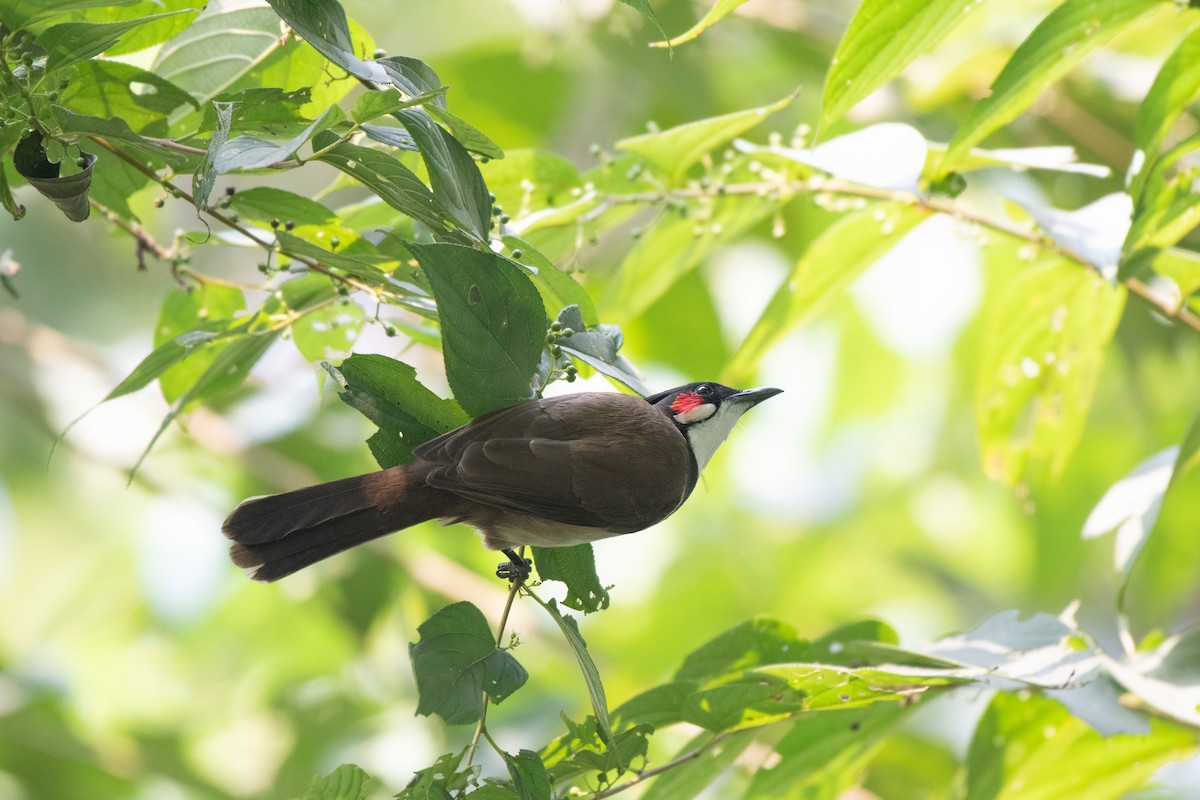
{"type": "Point", "coordinates": [841, 253]}
{"type": "Point", "coordinates": [15, 209]}
{"type": "Point", "coordinates": [744, 702]}
{"type": "Point", "coordinates": [883, 37]}
{"type": "Point", "coordinates": [70, 192]}
{"type": "Point", "coordinates": [1062, 40]}
{"type": "Point", "coordinates": [270, 111]}
{"type": "Point", "coordinates": [359, 266]}
{"type": "Point", "coordinates": [329, 332]}
{"type": "Point", "coordinates": [456, 181]}
{"type": "Point", "coordinates": [659, 706]}
{"type": "Point", "coordinates": [1166, 677]}
{"type": "Point", "coordinates": [188, 323]}
{"type": "Point", "coordinates": [674, 150]}
{"type": "Point", "coordinates": [227, 371]}
{"type": "Point", "coordinates": [1168, 206]}
{"type": "Point", "coordinates": [1038, 367]}
{"type": "Point", "coordinates": [528, 775]}
{"type": "Point", "coordinates": [71, 42]}
{"type": "Point", "coordinates": [151, 34]}
{"type": "Point", "coordinates": [440, 779]}
{"type": "Point", "coordinates": [1175, 87]}
{"type": "Point", "coordinates": [456, 661]}
{"type": "Point", "coordinates": [347, 782]}
{"type": "Point", "coordinates": [107, 89]}
{"type": "Point", "coordinates": [116, 132]}
{"type": "Point", "coordinates": [582, 749]}
{"type": "Point", "coordinates": [372, 105]}
{"type": "Point", "coordinates": [676, 245]}
{"type": "Point", "coordinates": [694, 776]}
{"type": "Point", "coordinates": [205, 176]}
{"type": "Point", "coordinates": [643, 7]}
{"type": "Point", "coordinates": [1131, 506]}
{"type": "Point", "coordinates": [751, 644]}
{"type": "Point", "coordinates": [23, 13]}
{"type": "Point", "coordinates": [388, 393]}
{"type": "Point", "coordinates": [576, 567]}
{"type": "Point", "coordinates": [249, 152]}
{"type": "Point", "coordinates": [1022, 743]}
{"type": "Point", "coordinates": [226, 41]}
{"type": "Point", "coordinates": [414, 78]}
{"type": "Point", "coordinates": [824, 752]}
{"type": "Point", "coordinates": [591, 676]}
{"type": "Point", "coordinates": [493, 324]}
{"type": "Point", "coordinates": [384, 175]}
{"type": "Point", "coordinates": [467, 134]}
{"type": "Point", "coordinates": [264, 203]}
{"type": "Point", "coordinates": [598, 347]}
{"type": "Point", "coordinates": [558, 289]}
{"type": "Point", "coordinates": [525, 181]}
{"type": "Point", "coordinates": [720, 10]}
{"type": "Point", "coordinates": [322, 23]}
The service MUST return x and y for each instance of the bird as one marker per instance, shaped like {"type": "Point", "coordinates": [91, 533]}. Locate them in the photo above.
{"type": "Point", "coordinates": [549, 472]}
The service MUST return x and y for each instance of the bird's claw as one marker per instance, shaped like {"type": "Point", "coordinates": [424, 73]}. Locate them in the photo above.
{"type": "Point", "coordinates": [510, 570]}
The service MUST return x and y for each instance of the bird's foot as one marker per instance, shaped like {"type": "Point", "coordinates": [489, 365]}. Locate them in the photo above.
{"type": "Point", "coordinates": [516, 568]}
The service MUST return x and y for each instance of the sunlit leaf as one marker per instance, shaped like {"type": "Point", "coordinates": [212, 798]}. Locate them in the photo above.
{"type": "Point", "coordinates": [1095, 232]}
{"type": "Point", "coordinates": [1038, 367]}
{"type": "Point", "coordinates": [1131, 506]}
{"type": "Point", "coordinates": [1166, 677]}
{"type": "Point", "coordinates": [1175, 87]}
{"type": "Point", "coordinates": [674, 150]}
{"type": "Point", "coordinates": [347, 782]}
{"type": "Point", "coordinates": [719, 10]}
{"type": "Point", "coordinates": [558, 289]}
{"type": "Point", "coordinates": [22, 13]}
{"type": "Point", "coordinates": [456, 660]}
{"type": "Point", "coordinates": [187, 323]}
{"type": "Point", "coordinates": [1022, 743]}
{"type": "Point", "coordinates": [1062, 40]}
{"type": "Point", "coordinates": [329, 332]}
{"type": "Point", "coordinates": [107, 89]}
{"type": "Point", "coordinates": [493, 324]}
{"type": "Point", "coordinates": [840, 254]}
{"type": "Point", "coordinates": [883, 37]}
{"type": "Point", "coordinates": [467, 134]}
{"type": "Point", "coordinates": [1168, 205]}
{"type": "Point", "coordinates": [827, 750]}
{"type": "Point", "coordinates": [265, 203]}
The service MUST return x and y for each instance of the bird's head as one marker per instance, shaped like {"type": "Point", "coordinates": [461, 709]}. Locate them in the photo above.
{"type": "Point", "coordinates": [706, 412]}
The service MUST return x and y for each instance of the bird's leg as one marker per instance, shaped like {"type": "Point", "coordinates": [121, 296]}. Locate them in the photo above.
{"type": "Point", "coordinates": [515, 568]}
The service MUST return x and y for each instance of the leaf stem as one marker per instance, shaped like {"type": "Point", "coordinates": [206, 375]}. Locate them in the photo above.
{"type": "Point", "coordinates": [646, 774]}
{"type": "Point", "coordinates": [481, 728]}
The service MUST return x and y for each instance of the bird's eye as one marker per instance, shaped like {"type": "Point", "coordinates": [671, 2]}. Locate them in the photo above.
{"type": "Point", "coordinates": [704, 390]}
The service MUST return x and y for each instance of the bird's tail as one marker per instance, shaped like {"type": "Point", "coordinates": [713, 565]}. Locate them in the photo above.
{"type": "Point", "coordinates": [280, 534]}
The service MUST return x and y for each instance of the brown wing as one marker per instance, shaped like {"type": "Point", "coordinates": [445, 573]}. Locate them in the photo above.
{"type": "Point", "coordinates": [599, 460]}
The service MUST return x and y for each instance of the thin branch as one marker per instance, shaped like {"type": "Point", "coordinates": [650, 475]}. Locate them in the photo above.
{"type": "Point", "coordinates": [646, 774]}
{"type": "Point", "coordinates": [481, 728]}
{"type": "Point", "coordinates": [1163, 304]}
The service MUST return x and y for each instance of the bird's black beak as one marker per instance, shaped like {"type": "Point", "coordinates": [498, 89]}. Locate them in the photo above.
{"type": "Point", "coordinates": [752, 397]}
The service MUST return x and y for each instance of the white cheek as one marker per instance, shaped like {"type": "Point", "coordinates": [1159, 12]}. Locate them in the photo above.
{"type": "Point", "coordinates": [692, 415]}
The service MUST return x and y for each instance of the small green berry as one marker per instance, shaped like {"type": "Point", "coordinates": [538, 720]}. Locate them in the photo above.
{"type": "Point", "coordinates": [335, 242]}
{"type": "Point", "coordinates": [389, 330]}
{"type": "Point", "coordinates": [379, 53]}
{"type": "Point", "coordinates": [287, 226]}
{"type": "Point", "coordinates": [505, 219]}
{"type": "Point", "coordinates": [275, 223]}
{"type": "Point", "coordinates": [556, 326]}
{"type": "Point", "coordinates": [517, 253]}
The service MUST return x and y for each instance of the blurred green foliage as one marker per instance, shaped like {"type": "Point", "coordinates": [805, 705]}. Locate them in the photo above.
{"type": "Point", "coordinates": [940, 316]}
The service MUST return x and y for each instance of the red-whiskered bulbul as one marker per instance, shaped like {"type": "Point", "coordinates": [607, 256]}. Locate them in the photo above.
{"type": "Point", "coordinates": [553, 472]}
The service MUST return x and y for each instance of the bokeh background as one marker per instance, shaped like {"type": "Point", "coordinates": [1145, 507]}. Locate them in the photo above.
{"type": "Point", "coordinates": [136, 662]}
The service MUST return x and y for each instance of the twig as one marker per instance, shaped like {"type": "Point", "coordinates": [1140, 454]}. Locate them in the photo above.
{"type": "Point", "coordinates": [646, 774]}
{"type": "Point", "coordinates": [817, 185]}
{"type": "Point", "coordinates": [481, 728]}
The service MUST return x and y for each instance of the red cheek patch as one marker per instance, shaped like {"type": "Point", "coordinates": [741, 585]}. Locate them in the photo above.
{"type": "Point", "coordinates": [685, 402]}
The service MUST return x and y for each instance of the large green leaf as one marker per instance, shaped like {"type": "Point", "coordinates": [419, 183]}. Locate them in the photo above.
{"type": "Point", "coordinates": [591, 675]}
{"type": "Point", "coordinates": [829, 265]}
{"type": "Point", "coordinates": [674, 150]}
{"type": "Point", "coordinates": [384, 175]}
{"type": "Point", "coordinates": [528, 775]}
{"type": "Point", "coordinates": [21, 13]}
{"type": "Point", "coordinates": [697, 774]}
{"type": "Point", "coordinates": [493, 324]}
{"type": "Point", "coordinates": [883, 37]}
{"type": "Point", "coordinates": [1168, 205]}
{"type": "Point", "coordinates": [1038, 366]}
{"type": "Point", "coordinates": [1062, 40]}
{"type": "Point", "coordinates": [455, 178]}
{"type": "Point", "coordinates": [456, 660]}
{"type": "Point", "coordinates": [1023, 744]}
{"type": "Point", "coordinates": [323, 24]}
{"type": "Point", "coordinates": [388, 393]}
{"type": "Point", "coordinates": [227, 40]}
{"type": "Point", "coordinates": [185, 327]}
{"type": "Point", "coordinates": [71, 42]}
{"type": "Point", "coordinates": [250, 153]}
{"type": "Point", "coordinates": [1175, 87]}
{"type": "Point", "coordinates": [107, 89]}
